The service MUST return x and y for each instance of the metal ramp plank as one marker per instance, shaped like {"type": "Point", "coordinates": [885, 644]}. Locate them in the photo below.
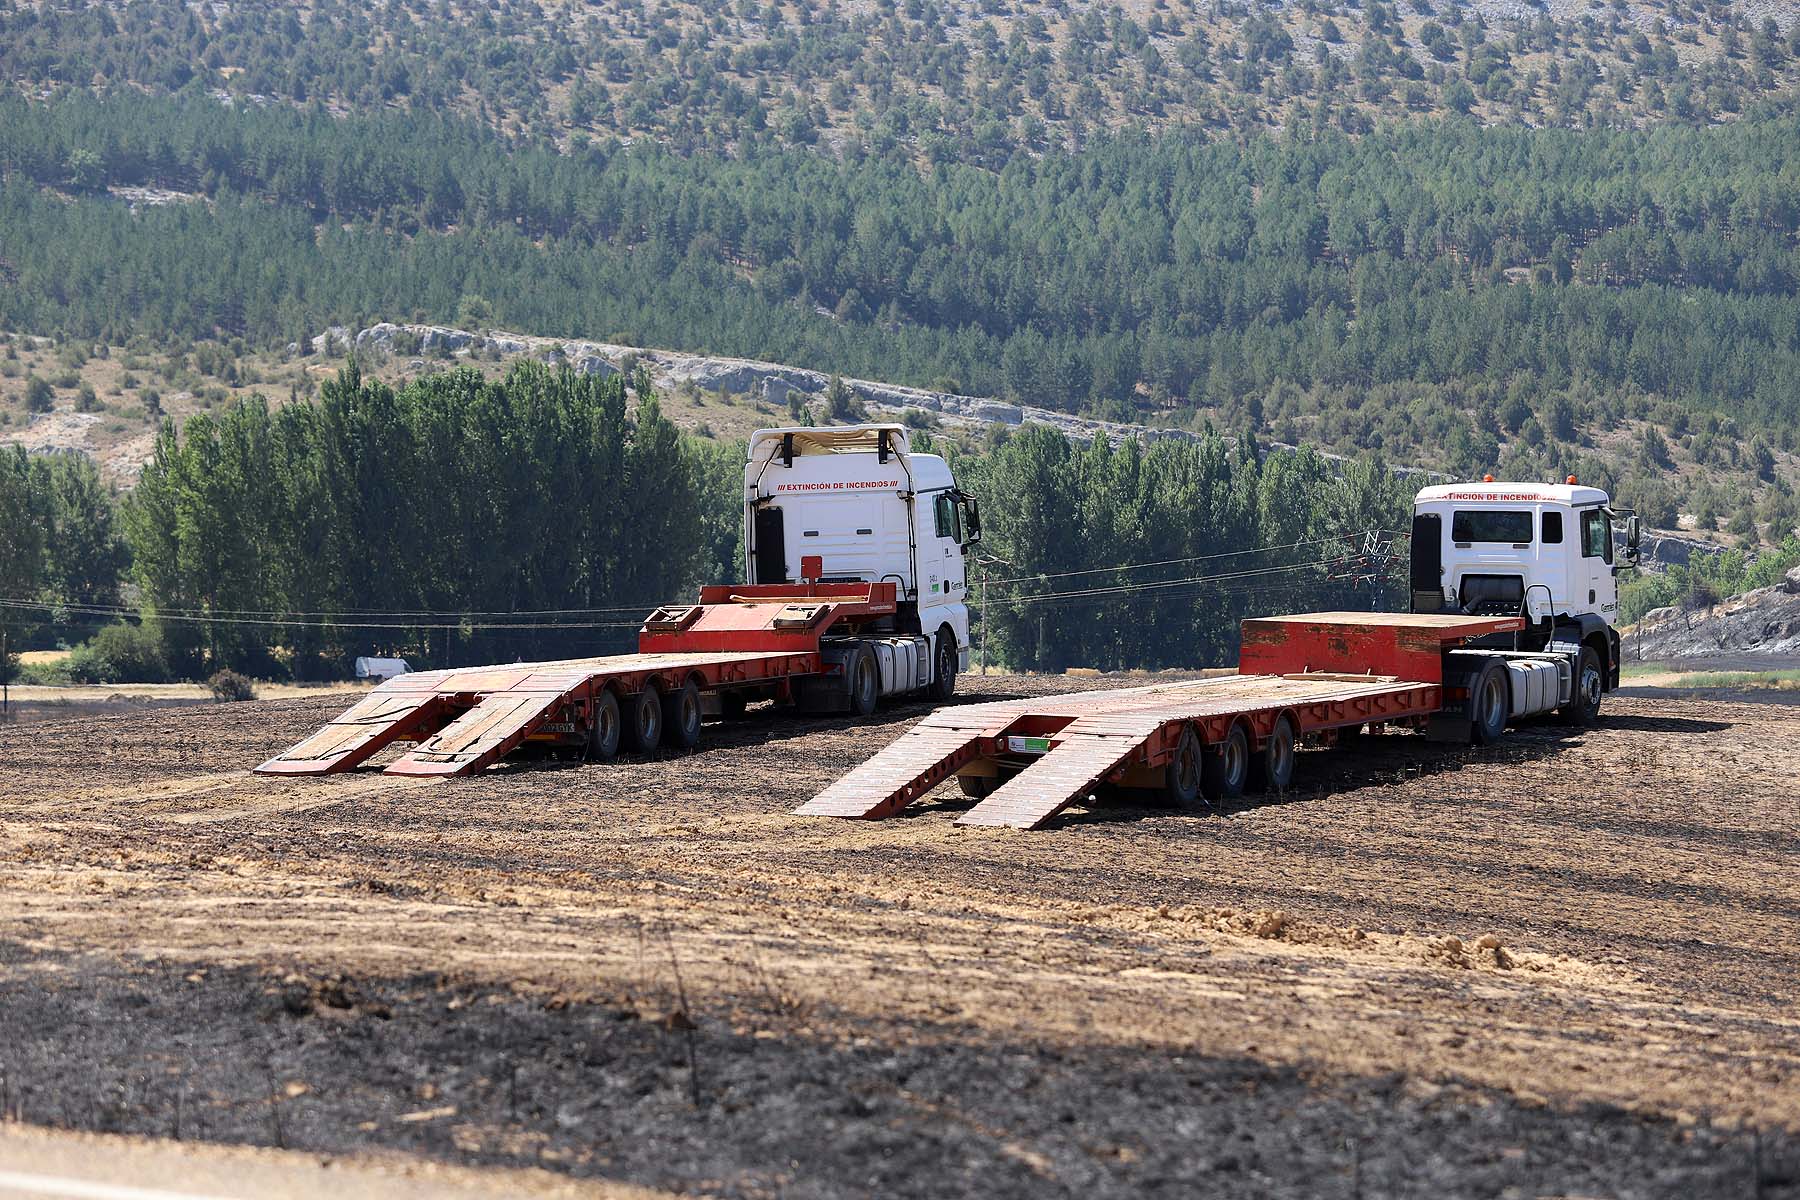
{"type": "Point", "coordinates": [923, 757]}
{"type": "Point", "coordinates": [1085, 755]}
{"type": "Point", "coordinates": [360, 733]}
{"type": "Point", "coordinates": [480, 736]}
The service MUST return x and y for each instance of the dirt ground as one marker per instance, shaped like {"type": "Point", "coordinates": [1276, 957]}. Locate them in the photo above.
{"type": "Point", "coordinates": [1562, 966]}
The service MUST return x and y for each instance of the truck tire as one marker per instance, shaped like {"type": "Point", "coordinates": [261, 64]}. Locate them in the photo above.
{"type": "Point", "coordinates": [943, 667]}
{"type": "Point", "coordinates": [643, 721]}
{"type": "Point", "coordinates": [1226, 767]}
{"type": "Point", "coordinates": [864, 684]}
{"type": "Point", "coordinates": [1182, 777]}
{"type": "Point", "coordinates": [1489, 704]}
{"type": "Point", "coordinates": [681, 716]}
{"type": "Point", "coordinates": [1583, 707]}
{"type": "Point", "coordinates": [1273, 769]}
{"type": "Point", "coordinates": [604, 730]}
{"type": "Point", "coordinates": [978, 787]}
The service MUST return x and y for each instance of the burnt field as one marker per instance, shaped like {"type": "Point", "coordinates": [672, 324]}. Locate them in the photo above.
{"type": "Point", "coordinates": [1564, 965]}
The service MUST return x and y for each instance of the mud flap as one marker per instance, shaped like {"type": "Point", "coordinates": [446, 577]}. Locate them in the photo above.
{"type": "Point", "coordinates": [1448, 728]}
{"type": "Point", "coordinates": [822, 694]}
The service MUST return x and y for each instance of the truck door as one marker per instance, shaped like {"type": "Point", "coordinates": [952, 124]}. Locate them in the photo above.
{"type": "Point", "coordinates": [1598, 586]}
{"type": "Point", "coordinates": [939, 546]}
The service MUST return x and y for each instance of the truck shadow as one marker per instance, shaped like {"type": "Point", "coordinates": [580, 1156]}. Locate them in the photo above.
{"type": "Point", "coordinates": [1638, 724]}
{"type": "Point", "coordinates": [1386, 761]}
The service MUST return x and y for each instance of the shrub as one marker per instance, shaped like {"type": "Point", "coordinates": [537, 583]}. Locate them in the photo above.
{"type": "Point", "coordinates": [38, 396]}
{"type": "Point", "coordinates": [230, 686]}
{"type": "Point", "coordinates": [121, 653]}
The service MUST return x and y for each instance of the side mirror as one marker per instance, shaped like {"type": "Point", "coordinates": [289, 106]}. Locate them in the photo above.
{"type": "Point", "coordinates": [1632, 533]}
{"type": "Point", "coordinates": [971, 521]}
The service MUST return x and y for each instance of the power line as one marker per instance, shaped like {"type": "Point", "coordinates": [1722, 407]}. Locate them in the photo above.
{"type": "Point", "coordinates": [127, 614]}
{"type": "Point", "coordinates": [275, 618]}
{"type": "Point", "coordinates": [1125, 588]}
{"type": "Point", "coordinates": [333, 614]}
{"type": "Point", "coordinates": [1168, 562]}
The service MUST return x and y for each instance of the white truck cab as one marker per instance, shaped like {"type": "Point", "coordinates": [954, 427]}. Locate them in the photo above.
{"type": "Point", "coordinates": [1541, 551]}
{"type": "Point", "coordinates": [857, 503]}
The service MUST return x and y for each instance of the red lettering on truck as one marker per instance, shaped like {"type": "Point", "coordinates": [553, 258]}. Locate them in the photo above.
{"type": "Point", "coordinates": [839, 485]}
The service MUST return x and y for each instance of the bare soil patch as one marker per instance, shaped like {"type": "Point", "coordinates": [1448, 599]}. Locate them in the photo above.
{"type": "Point", "coordinates": [1563, 965]}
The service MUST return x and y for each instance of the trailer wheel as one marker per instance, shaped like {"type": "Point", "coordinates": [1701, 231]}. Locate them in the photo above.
{"type": "Point", "coordinates": [943, 668]}
{"type": "Point", "coordinates": [1488, 706]}
{"type": "Point", "coordinates": [644, 721]}
{"type": "Point", "coordinates": [865, 682]}
{"type": "Point", "coordinates": [605, 730]}
{"type": "Point", "coordinates": [980, 787]}
{"type": "Point", "coordinates": [1583, 707]}
{"type": "Point", "coordinates": [1226, 767]}
{"type": "Point", "coordinates": [681, 716]}
{"type": "Point", "coordinates": [1181, 778]}
{"type": "Point", "coordinates": [1273, 769]}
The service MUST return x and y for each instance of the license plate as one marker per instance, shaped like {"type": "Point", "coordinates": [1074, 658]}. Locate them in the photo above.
{"type": "Point", "coordinates": [1028, 745]}
{"type": "Point", "coordinates": [557, 727]}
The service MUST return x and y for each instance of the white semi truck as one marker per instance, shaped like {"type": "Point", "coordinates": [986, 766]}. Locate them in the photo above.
{"type": "Point", "coordinates": [1543, 552]}
{"type": "Point", "coordinates": [858, 505]}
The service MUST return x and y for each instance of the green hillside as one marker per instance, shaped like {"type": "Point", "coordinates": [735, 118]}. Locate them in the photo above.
{"type": "Point", "coordinates": [1456, 239]}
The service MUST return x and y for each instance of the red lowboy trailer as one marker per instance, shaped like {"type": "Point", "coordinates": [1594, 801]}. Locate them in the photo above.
{"type": "Point", "coordinates": [736, 644]}
{"type": "Point", "coordinates": [1312, 676]}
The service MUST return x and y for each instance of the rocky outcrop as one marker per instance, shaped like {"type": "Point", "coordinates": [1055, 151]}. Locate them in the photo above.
{"type": "Point", "coordinates": [771, 382]}
{"type": "Point", "coordinates": [1765, 622]}
{"type": "Point", "coordinates": [1660, 550]}
{"type": "Point", "coordinates": [59, 432]}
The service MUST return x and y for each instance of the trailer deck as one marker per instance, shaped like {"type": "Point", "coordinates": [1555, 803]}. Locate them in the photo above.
{"type": "Point", "coordinates": [1319, 671]}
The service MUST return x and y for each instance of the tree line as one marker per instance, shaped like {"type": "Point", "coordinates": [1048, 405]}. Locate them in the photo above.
{"type": "Point", "coordinates": [446, 520]}
{"type": "Point", "coordinates": [460, 520]}
{"type": "Point", "coordinates": [938, 79]}
{"type": "Point", "coordinates": [60, 539]}
{"type": "Point", "coordinates": [1164, 274]}
{"type": "Point", "coordinates": [1121, 556]}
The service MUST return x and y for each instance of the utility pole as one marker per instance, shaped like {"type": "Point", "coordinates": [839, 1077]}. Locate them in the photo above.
{"type": "Point", "coordinates": [985, 561]}
{"type": "Point", "coordinates": [984, 622]}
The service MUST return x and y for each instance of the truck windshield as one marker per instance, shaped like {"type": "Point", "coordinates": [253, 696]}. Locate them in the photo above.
{"type": "Point", "coordinates": [1513, 528]}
